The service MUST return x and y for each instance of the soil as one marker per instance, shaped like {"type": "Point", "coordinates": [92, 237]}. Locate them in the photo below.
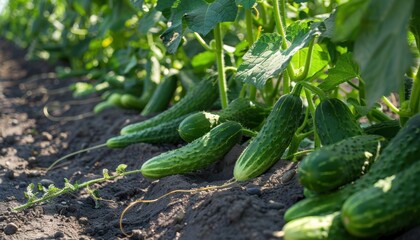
{"type": "Point", "coordinates": [30, 142]}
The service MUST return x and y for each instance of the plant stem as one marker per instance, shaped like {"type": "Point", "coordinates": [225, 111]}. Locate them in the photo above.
{"type": "Point", "coordinates": [308, 62]}
{"type": "Point", "coordinates": [281, 30]}
{"type": "Point", "coordinates": [202, 42]}
{"type": "Point", "coordinates": [73, 188]}
{"type": "Point", "coordinates": [415, 94]}
{"type": "Point", "coordinates": [391, 106]}
{"type": "Point", "coordinates": [249, 133]}
{"type": "Point", "coordinates": [362, 92]}
{"type": "Point", "coordinates": [318, 91]}
{"type": "Point", "coordinates": [220, 66]}
{"type": "Point", "coordinates": [312, 111]}
{"type": "Point", "coordinates": [250, 37]}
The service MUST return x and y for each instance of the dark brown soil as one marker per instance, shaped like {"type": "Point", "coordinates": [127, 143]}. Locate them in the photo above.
{"type": "Point", "coordinates": [30, 142]}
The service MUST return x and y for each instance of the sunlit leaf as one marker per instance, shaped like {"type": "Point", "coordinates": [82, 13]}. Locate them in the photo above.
{"type": "Point", "coordinates": [265, 59]}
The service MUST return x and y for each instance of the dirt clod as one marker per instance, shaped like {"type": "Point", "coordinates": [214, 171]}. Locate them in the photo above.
{"type": "Point", "coordinates": [10, 229]}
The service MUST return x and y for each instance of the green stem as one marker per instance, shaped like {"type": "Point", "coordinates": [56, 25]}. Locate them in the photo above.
{"type": "Point", "coordinates": [362, 92]}
{"type": "Point", "coordinates": [307, 62]}
{"type": "Point", "coordinates": [415, 94]}
{"type": "Point", "coordinates": [250, 37]}
{"type": "Point", "coordinates": [202, 42]}
{"type": "Point", "coordinates": [378, 115]}
{"type": "Point", "coordinates": [248, 132]}
{"type": "Point", "coordinates": [298, 154]}
{"type": "Point", "coordinates": [281, 30]}
{"type": "Point", "coordinates": [318, 91]}
{"type": "Point", "coordinates": [311, 107]}
{"type": "Point", "coordinates": [220, 66]}
{"type": "Point", "coordinates": [73, 188]}
{"type": "Point", "coordinates": [305, 122]}
{"type": "Point", "coordinates": [391, 106]}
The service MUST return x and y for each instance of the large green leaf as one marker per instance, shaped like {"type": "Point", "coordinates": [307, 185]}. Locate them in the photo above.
{"type": "Point", "coordinates": [381, 47]}
{"type": "Point", "coordinates": [198, 15]}
{"type": "Point", "coordinates": [345, 69]}
{"type": "Point", "coordinates": [319, 60]}
{"type": "Point", "coordinates": [265, 59]}
{"type": "Point", "coordinates": [348, 19]}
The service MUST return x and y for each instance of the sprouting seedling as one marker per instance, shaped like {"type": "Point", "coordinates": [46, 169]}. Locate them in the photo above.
{"type": "Point", "coordinates": [53, 191]}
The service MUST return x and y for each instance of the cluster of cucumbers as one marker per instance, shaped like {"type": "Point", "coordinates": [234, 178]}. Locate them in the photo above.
{"type": "Point", "coordinates": [362, 183]}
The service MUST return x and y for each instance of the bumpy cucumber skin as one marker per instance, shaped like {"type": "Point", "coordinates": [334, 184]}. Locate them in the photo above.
{"type": "Point", "coordinates": [390, 205]}
{"type": "Point", "coordinates": [196, 155]}
{"type": "Point", "coordinates": [272, 140]}
{"type": "Point", "coordinates": [166, 132]}
{"type": "Point", "coordinates": [197, 124]}
{"type": "Point", "coordinates": [198, 99]}
{"type": "Point", "coordinates": [335, 122]}
{"type": "Point", "coordinates": [335, 165]}
{"type": "Point", "coordinates": [400, 153]}
{"type": "Point", "coordinates": [244, 111]}
{"type": "Point", "coordinates": [328, 227]}
{"type": "Point", "coordinates": [162, 96]}
{"type": "Point", "coordinates": [387, 129]}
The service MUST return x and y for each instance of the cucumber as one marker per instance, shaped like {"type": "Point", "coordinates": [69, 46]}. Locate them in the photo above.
{"type": "Point", "coordinates": [272, 140]}
{"type": "Point", "coordinates": [201, 97]}
{"type": "Point", "coordinates": [400, 153]}
{"type": "Point", "coordinates": [197, 124]}
{"type": "Point", "coordinates": [335, 122]}
{"type": "Point", "coordinates": [115, 99]}
{"type": "Point", "coordinates": [196, 155]}
{"type": "Point", "coordinates": [102, 106]}
{"type": "Point", "coordinates": [244, 111]}
{"type": "Point", "coordinates": [131, 102]}
{"type": "Point", "coordinates": [328, 227]}
{"type": "Point", "coordinates": [337, 164]}
{"type": "Point", "coordinates": [161, 96]}
{"type": "Point", "coordinates": [166, 132]}
{"type": "Point", "coordinates": [387, 129]}
{"type": "Point", "coordinates": [390, 205]}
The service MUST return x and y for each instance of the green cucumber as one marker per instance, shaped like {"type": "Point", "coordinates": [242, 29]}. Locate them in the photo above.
{"type": "Point", "coordinates": [161, 96]}
{"type": "Point", "coordinates": [201, 97]}
{"type": "Point", "coordinates": [115, 99]}
{"type": "Point", "coordinates": [131, 102]}
{"type": "Point", "coordinates": [387, 129]}
{"type": "Point", "coordinates": [166, 132]}
{"type": "Point", "coordinates": [335, 165]}
{"type": "Point", "coordinates": [102, 106]}
{"type": "Point", "coordinates": [390, 205]}
{"type": "Point", "coordinates": [328, 227]}
{"type": "Point", "coordinates": [400, 153]}
{"type": "Point", "coordinates": [244, 111]}
{"type": "Point", "coordinates": [197, 124]}
{"type": "Point", "coordinates": [272, 140]}
{"type": "Point", "coordinates": [335, 122]}
{"type": "Point", "coordinates": [196, 155]}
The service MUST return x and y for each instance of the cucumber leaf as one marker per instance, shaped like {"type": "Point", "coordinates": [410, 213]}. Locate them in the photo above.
{"type": "Point", "coordinates": [345, 69]}
{"type": "Point", "coordinates": [198, 15]}
{"type": "Point", "coordinates": [381, 47]}
{"type": "Point", "coordinates": [265, 59]}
